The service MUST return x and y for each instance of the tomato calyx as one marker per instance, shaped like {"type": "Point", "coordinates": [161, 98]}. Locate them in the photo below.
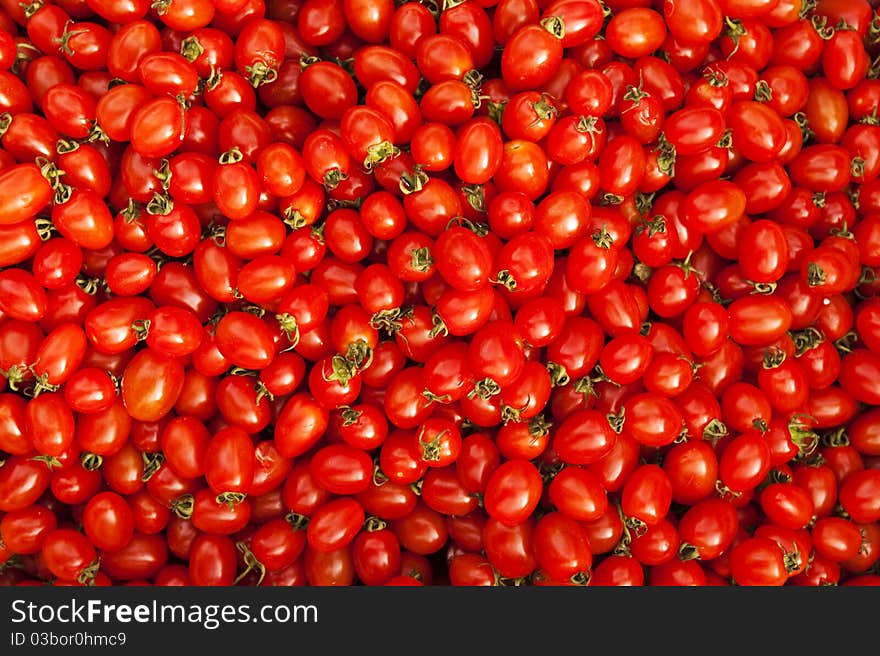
{"type": "Point", "coordinates": [141, 328]}
{"type": "Point", "coordinates": [290, 328]}
{"type": "Point", "coordinates": [609, 198]}
{"type": "Point", "coordinates": [31, 8]}
{"type": "Point", "coordinates": [589, 125]}
{"type": "Point", "coordinates": [420, 259]}
{"type": "Point", "coordinates": [333, 177]}
{"type": "Point", "coordinates": [634, 94]}
{"type": "Point", "coordinates": [373, 524]}
{"type": "Point", "coordinates": [777, 476]}
{"type": "Point", "coordinates": [820, 24]}
{"type": "Point", "coordinates": [41, 384]}
{"type": "Point", "coordinates": [252, 564]}
{"type": "Point", "coordinates": [159, 205]}
{"type": "Point", "coordinates": [555, 25]}
{"type": "Point", "coordinates": [688, 268]}
{"type": "Point", "coordinates": [262, 392]}
{"type": "Point", "coordinates": [762, 288]}
{"type": "Point", "coordinates": [495, 110]}
{"type": "Point", "coordinates": [585, 387]}
{"type": "Point", "coordinates": [152, 463]}
{"type": "Point", "coordinates": [845, 344]}
{"type": "Point", "coordinates": [505, 279]}
{"type": "Point", "coordinates": [183, 506]}
{"type": "Point", "coordinates": [715, 77]}
{"type": "Point", "coordinates": [5, 122]}
{"type": "Point", "coordinates": [687, 551]}
{"type": "Point", "coordinates": [63, 41]}
{"type": "Point", "coordinates": [580, 578]}
{"type": "Point", "coordinates": [132, 212]}
{"type": "Point", "coordinates": [641, 271]}
{"type": "Point", "coordinates": [874, 30]}
{"type": "Point", "coordinates": [412, 181]}
{"type": "Point", "coordinates": [602, 238]}
{"type": "Point", "coordinates": [378, 153]}
{"type": "Point", "coordinates": [230, 499]}
{"type": "Point", "coordinates": [231, 156]}
{"type": "Point", "coordinates": [91, 461]}
{"type": "Point", "coordinates": [96, 133]}
{"type": "Point", "coordinates": [511, 414]}
{"type": "Point", "coordinates": [87, 575]}
{"type": "Point", "coordinates": [725, 492]}
{"type": "Point", "coordinates": [293, 219]}
{"type": "Point", "coordinates": [160, 6]}
{"type": "Point", "coordinates": [734, 31]}
{"type": "Point", "coordinates": [485, 389]}
{"type": "Point", "coordinates": [479, 229]}
{"type": "Point", "coordinates": [52, 463]}
{"type": "Point", "coordinates": [64, 146]}
{"type": "Point", "coordinates": [835, 438]}
{"type": "Point", "coordinates": [539, 426]}
{"type": "Point", "coordinates": [635, 525]}
{"type": "Point", "coordinates": [349, 415]}
{"type": "Point", "coordinates": [260, 73]}
{"type": "Point", "coordinates": [163, 174]}
{"type": "Point", "coordinates": [714, 431]}
{"type": "Point", "coordinates": [475, 196]}
{"type": "Point", "coordinates": [473, 79]}
{"type": "Point", "coordinates": [359, 354]}
{"type": "Point", "coordinates": [342, 372]}
{"type": "Point", "coordinates": [857, 167]}
{"type": "Point", "coordinates": [297, 522]}
{"type": "Point", "coordinates": [807, 339]}
{"type": "Point", "coordinates": [865, 544]}
{"type": "Point", "coordinates": [544, 109]}
{"type": "Point", "coordinates": [436, 398]}
{"type": "Point", "coordinates": [212, 81]}
{"type": "Point", "coordinates": [773, 357]}
{"type": "Point", "coordinates": [379, 478]}
{"type": "Point", "coordinates": [868, 276]}
{"type": "Point", "coordinates": [191, 48]}
{"type": "Point", "coordinates": [654, 226]}
{"type": "Point", "coordinates": [792, 559]}
{"type": "Point", "coordinates": [558, 375]}
{"type": "Point", "coordinates": [763, 92]}
{"type": "Point", "coordinates": [644, 203]}
{"type": "Point", "coordinates": [89, 285]}
{"type": "Point", "coordinates": [800, 118]}
{"type": "Point", "coordinates": [15, 376]}
{"type": "Point", "coordinates": [666, 156]}
{"type": "Point", "coordinates": [53, 175]}
{"type": "Point", "coordinates": [549, 470]}
{"type": "Point", "coordinates": [389, 320]}
{"type": "Point", "coordinates": [840, 511]}
{"type": "Point", "coordinates": [616, 420]}
{"type": "Point", "coordinates": [14, 561]}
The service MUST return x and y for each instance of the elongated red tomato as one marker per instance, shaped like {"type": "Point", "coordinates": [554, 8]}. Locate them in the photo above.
{"type": "Point", "coordinates": [513, 492]}
{"type": "Point", "coordinates": [24, 192]}
{"type": "Point", "coordinates": [758, 320]}
{"type": "Point", "coordinates": [151, 385]}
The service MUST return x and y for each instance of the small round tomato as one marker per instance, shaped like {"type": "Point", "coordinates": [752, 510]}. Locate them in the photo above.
{"type": "Point", "coordinates": [513, 492]}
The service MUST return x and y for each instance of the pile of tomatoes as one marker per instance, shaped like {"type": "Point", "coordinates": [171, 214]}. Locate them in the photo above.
{"type": "Point", "coordinates": [484, 292]}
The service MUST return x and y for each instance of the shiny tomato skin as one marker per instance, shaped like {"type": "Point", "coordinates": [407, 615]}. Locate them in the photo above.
{"type": "Point", "coordinates": [151, 384]}
{"type": "Point", "coordinates": [513, 492]}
